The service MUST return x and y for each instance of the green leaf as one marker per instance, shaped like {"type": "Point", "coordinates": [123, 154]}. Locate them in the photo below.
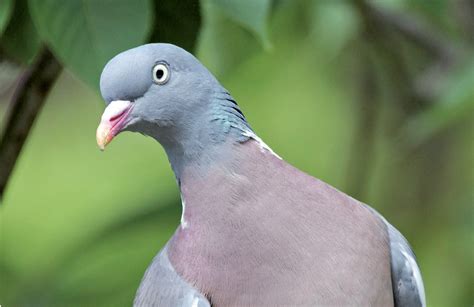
{"type": "Point", "coordinates": [20, 40]}
{"type": "Point", "coordinates": [223, 44]}
{"type": "Point", "coordinates": [6, 8]}
{"type": "Point", "coordinates": [85, 34]}
{"type": "Point", "coordinates": [177, 22]}
{"type": "Point", "coordinates": [251, 14]}
{"type": "Point", "coordinates": [340, 17]}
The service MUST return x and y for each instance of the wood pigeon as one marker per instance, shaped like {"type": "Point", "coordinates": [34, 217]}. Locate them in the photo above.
{"type": "Point", "coordinates": [254, 231]}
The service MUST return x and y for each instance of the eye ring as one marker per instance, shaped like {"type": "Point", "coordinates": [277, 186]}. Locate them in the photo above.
{"type": "Point", "coordinates": [161, 73]}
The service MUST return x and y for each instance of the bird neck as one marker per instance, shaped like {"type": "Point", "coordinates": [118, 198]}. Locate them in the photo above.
{"type": "Point", "coordinates": [208, 138]}
{"type": "Point", "coordinates": [197, 157]}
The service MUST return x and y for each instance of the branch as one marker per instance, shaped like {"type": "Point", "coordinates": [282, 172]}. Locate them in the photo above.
{"type": "Point", "coordinates": [420, 34]}
{"type": "Point", "coordinates": [413, 29]}
{"type": "Point", "coordinates": [25, 106]}
{"type": "Point", "coordinates": [420, 90]}
{"type": "Point", "coordinates": [465, 17]}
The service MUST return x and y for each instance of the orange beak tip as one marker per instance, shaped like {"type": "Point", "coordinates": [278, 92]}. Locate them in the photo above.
{"type": "Point", "coordinates": [102, 135]}
{"type": "Point", "coordinates": [112, 121]}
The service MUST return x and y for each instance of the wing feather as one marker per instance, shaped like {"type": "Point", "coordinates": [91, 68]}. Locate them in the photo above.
{"type": "Point", "coordinates": [407, 284]}
{"type": "Point", "coordinates": [162, 286]}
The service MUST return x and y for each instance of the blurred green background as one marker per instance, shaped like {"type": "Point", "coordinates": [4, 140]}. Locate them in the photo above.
{"type": "Point", "coordinates": [337, 88]}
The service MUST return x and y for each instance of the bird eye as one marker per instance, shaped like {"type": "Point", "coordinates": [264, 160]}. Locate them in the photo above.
{"type": "Point", "coordinates": [161, 73]}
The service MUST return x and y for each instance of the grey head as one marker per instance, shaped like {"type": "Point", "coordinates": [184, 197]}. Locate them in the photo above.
{"type": "Point", "coordinates": [163, 91]}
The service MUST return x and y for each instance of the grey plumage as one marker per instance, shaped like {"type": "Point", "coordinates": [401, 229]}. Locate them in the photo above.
{"type": "Point", "coordinates": [408, 289]}
{"type": "Point", "coordinates": [173, 290]}
{"type": "Point", "coordinates": [255, 231]}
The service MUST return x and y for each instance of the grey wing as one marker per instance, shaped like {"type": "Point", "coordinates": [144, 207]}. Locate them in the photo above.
{"type": "Point", "coordinates": [162, 286]}
{"type": "Point", "coordinates": [407, 284]}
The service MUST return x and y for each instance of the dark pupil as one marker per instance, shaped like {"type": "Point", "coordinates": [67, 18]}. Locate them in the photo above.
{"type": "Point", "coordinates": [159, 74]}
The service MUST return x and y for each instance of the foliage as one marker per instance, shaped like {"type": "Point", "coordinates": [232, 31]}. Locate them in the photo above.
{"type": "Point", "coordinates": [84, 34]}
{"type": "Point", "coordinates": [20, 41]}
{"type": "Point", "coordinates": [251, 14]}
{"type": "Point", "coordinates": [176, 22]}
{"type": "Point", "coordinates": [354, 99]}
{"type": "Point", "coordinates": [5, 13]}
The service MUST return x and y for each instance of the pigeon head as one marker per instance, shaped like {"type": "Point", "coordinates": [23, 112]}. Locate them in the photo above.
{"type": "Point", "coordinates": [163, 91]}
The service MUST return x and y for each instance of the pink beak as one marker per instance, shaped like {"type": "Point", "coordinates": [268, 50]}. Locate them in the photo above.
{"type": "Point", "coordinates": [112, 121]}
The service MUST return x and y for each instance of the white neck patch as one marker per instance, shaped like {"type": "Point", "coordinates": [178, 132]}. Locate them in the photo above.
{"type": "Point", "coordinates": [184, 223]}
{"type": "Point", "coordinates": [261, 143]}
